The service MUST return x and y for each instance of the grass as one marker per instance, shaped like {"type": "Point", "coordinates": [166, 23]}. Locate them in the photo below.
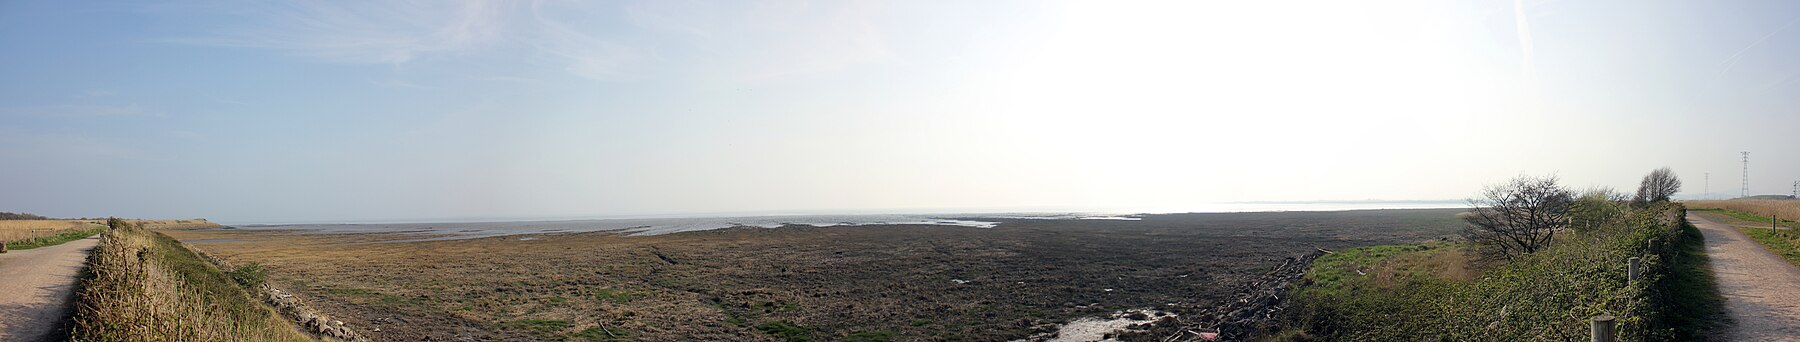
{"type": "Point", "coordinates": [1691, 300]}
{"type": "Point", "coordinates": [1785, 243]}
{"type": "Point", "coordinates": [52, 239]}
{"type": "Point", "coordinates": [1788, 209]}
{"type": "Point", "coordinates": [602, 334]}
{"type": "Point", "coordinates": [539, 326]}
{"type": "Point", "coordinates": [28, 234]}
{"type": "Point", "coordinates": [786, 331]}
{"type": "Point", "coordinates": [141, 285]}
{"type": "Point", "coordinates": [615, 295]}
{"type": "Point", "coordinates": [871, 336]}
{"type": "Point", "coordinates": [1414, 292]}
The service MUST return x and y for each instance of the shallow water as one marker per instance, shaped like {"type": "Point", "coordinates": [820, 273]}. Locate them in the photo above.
{"type": "Point", "coordinates": [633, 226]}
{"type": "Point", "coordinates": [657, 226]}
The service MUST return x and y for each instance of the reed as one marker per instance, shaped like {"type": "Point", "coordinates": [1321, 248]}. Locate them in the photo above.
{"type": "Point", "coordinates": [28, 234]}
{"type": "Point", "coordinates": [1783, 209]}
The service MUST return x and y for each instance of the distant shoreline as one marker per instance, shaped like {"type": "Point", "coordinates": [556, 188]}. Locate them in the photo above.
{"type": "Point", "coordinates": [1224, 207]}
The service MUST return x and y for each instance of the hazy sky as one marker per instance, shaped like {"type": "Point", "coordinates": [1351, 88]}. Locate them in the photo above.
{"type": "Point", "coordinates": [360, 110]}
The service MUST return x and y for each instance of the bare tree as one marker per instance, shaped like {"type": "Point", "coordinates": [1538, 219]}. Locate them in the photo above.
{"type": "Point", "coordinates": [1518, 217]}
{"type": "Point", "coordinates": [1657, 187]}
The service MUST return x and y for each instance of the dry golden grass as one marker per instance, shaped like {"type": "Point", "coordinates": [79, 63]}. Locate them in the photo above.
{"type": "Point", "coordinates": [16, 230]}
{"type": "Point", "coordinates": [144, 286]}
{"type": "Point", "coordinates": [1784, 209]}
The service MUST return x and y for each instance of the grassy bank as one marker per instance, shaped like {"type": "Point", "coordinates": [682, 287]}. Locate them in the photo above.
{"type": "Point", "coordinates": [141, 285]}
{"type": "Point", "coordinates": [1412, 292]}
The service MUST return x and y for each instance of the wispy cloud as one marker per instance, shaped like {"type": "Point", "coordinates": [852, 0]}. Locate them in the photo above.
{"type": "Point", "coordinates": [78, 111]}
{"type": "Point", "coordinates": [94, 93]}
{"type": "Point", "coordinates": [586, 55]}
{"type": "Point", "coordinates": [1732, 61]}
{"type": "Point", "coordinates": [1526, 49]}
{"type": "Point", "coordinates": [27, 144]}
{"type": "Point", "coordinates": [366, 31]}
{"type": "Point", "coordinates": [607, 41]}
{"type": "Point", "coordinates": [771, 39]}
{"type": "Point", "coordinates": [398, 84]}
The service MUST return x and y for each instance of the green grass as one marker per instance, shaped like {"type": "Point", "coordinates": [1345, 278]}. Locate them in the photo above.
{"type": "Point", "coordinates": [600, 334]}
{"type": "Point", "coordinates": [1430, 292]}
{"type": "Point", "coordinates": [1782, 243]}
{"type": "Point", "coordinates": [786, 331]}
{"type": "Point", "coordinates": [1691, 302]}
{"type": "Point", "coordinates": [225, 293]}
{"type": "Point", "coordinates": [871, 336]}
{"type": "Point", "coordinates": [52, 240]}
{"type": "Point", "coordinates": [1331, 273]}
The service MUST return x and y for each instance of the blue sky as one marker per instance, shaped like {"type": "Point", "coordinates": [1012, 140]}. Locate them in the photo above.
{"type": "Point", "coordinates": [309, 111]}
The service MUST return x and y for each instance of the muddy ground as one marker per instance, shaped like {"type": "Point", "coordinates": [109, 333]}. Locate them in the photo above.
{"type": "Point", "coordinates": [871, 283]}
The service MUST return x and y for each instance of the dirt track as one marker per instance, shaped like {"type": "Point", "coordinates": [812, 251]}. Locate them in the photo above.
{"type": "Point", "coordinates": [35, 288]}
{"type": "Point", "coordinates": [1762, 291]}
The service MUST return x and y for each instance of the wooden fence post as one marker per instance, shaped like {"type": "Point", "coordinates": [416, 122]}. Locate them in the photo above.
{"type": "Point", "coordinates": [1631, 269]}
{"type": "Point", "coordinates": [1603, 329]}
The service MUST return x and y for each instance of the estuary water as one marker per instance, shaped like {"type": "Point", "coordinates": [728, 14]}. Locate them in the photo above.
{"type": "Point", "coordinates": [666, 225]}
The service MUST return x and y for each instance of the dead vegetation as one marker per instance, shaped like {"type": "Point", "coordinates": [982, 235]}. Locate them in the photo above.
{"type": "Point", "coordinates": [144, 286]}
{"type": "Point", "coordinates": [1783, 209]}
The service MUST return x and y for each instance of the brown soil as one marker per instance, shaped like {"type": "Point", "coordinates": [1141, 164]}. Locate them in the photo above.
{"type": "Point", "coordinates": [836, 283]}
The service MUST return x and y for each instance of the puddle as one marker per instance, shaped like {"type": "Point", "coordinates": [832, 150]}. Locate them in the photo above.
{"type": "Point", "coordinates": [1095, 328]}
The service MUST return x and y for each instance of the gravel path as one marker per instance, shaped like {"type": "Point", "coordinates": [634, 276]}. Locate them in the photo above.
{"type": "Point", "coordinates": [1762, 291]}
{"type": "Point", "coordinates": [36, 286]}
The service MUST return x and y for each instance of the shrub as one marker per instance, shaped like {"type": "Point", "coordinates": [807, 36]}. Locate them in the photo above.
{"type": "Point", "coordinates": [250, 275]}
{"type": "Point", "coordinates": [1547, 295]}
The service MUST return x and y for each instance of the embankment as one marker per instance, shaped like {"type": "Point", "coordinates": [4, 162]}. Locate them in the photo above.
{"type": "Point", "coordinates": [1412, 292]}
{"type": "Point", "coordinates": [141, 285]}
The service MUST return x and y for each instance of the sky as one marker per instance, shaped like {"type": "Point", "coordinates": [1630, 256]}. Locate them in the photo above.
{"type": "Point", "coordinates": [438, 110]}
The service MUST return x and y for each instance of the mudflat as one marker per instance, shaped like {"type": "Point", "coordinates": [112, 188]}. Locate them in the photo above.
{"type": "Point", "coordinates": [892, 282]}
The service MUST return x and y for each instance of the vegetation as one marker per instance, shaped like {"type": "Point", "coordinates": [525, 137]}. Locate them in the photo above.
{"type": "Point", "coordinates": [250, 275]}
{"type": "Point", "coordinates": [1405, 292]}
{"type": "Point", "coordinates": [1540, 288]}
{"type": "Point", "coordinates": [141, 285]}
{"type": "Point", "coordinates": [1657, 187]}
{"type": "Point", "coordinates": [25, 234]}
{"type": "Point", "coordinates": [1518, 217]}
{"type": "Point", "coordinates": [1785, 243]}
{"type": "Point", "coordinates": [55, 238]}
{"type": "Point", "coordinates": [1785, 209]}
{"type": "Point", "coordinates": [786, 330]}
{"type": "Point", "coordinates": [20, 216]}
